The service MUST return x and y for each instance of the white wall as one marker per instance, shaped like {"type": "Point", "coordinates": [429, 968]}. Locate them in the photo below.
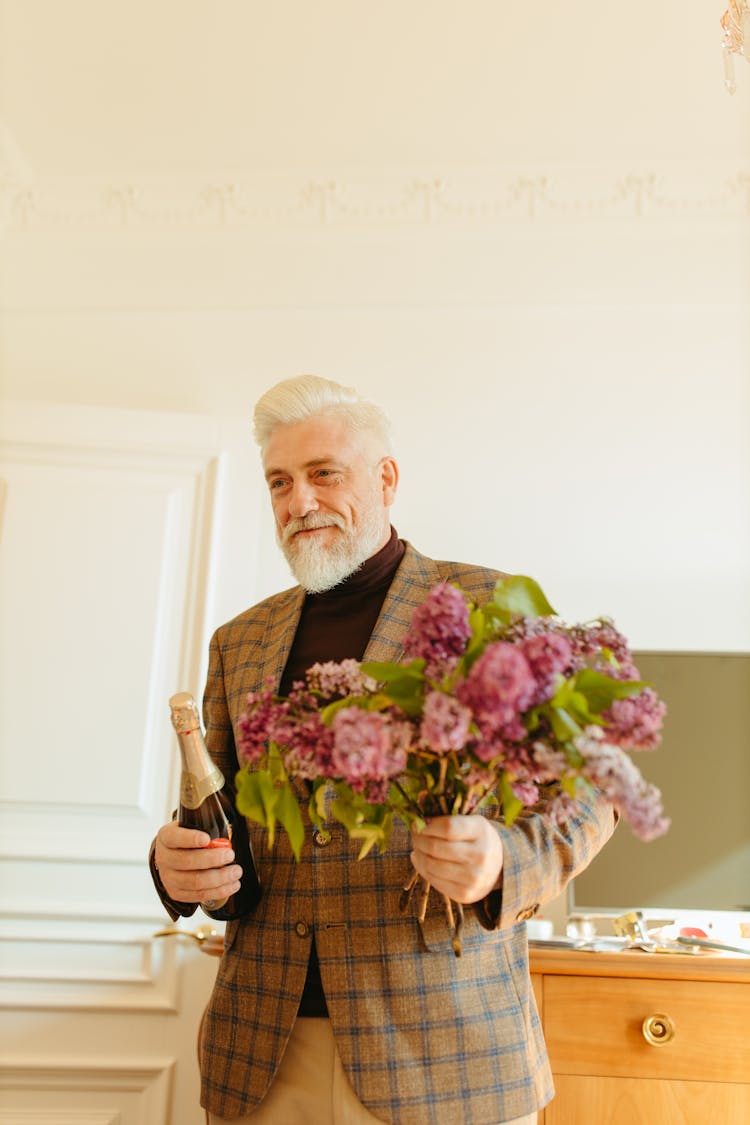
{"type": "Point", "coordinates": [526, 232]}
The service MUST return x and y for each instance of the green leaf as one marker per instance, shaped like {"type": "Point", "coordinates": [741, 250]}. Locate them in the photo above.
{"type": "Point", "coordinates": [249, 801]}
{"type": "Point", "coordinates": [481, 629]}
{"type": "Point", "coordinates": [290, 816]}
{"type": "Point", "coordinates": [570, 785]}
{"type": "Point", "coordinates": [331, 709]}
{"type": "Point", "coordinates": [317, 803]}
{"type": "Point", "coordinates": [518, 594]}
{"type": "Point", "coordinates": [601, 691]}
{"type": "Point", "coordinates": [403, 684]}
{"type": "Point", "coordinates": [564, 726]}
{"type": "Point", "coordinates": [510, 802]}
{"type": "Point", "coordinates": [346, 813]}
{"type": "Point", "coordinates": [257, 798]}
{"type": "Point", "coordinates": [385, 671]}
{"type": "Point", "coordinates": [265, 801]}
{"type": "Point", "coordinates": [275, 765]}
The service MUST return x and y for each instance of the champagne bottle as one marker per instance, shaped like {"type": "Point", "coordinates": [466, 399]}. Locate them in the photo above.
{"type": "Point", "coordinates": [205, 805]}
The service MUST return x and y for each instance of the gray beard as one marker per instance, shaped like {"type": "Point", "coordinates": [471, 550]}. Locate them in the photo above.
{"type": "Point", "coordinates": [318, 568]}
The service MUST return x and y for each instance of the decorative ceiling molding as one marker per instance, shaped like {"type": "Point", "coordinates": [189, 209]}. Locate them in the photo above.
{"type": "Point", "coordinates": [461, 199]}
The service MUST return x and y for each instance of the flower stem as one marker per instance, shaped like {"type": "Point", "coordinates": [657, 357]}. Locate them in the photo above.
{"type": "Point", "coordinates": [408, 891]}
{"type": "Point", "coordinates": [410, 803]}
{"type": "Point", "coordinates": [424, 894]}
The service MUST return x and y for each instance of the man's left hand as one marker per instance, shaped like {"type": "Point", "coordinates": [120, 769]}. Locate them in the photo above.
{"type": "Point", "coordinates": [461, 856]}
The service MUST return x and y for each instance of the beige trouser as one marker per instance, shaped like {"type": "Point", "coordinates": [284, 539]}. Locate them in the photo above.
{"type": "Point", "coordinates": [311, 1087]}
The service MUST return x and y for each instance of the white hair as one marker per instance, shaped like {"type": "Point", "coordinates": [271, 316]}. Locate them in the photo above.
{"type": "Point", "coordinates": [307, 396]}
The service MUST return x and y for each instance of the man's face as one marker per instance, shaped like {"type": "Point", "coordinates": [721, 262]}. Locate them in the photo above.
{"type": "Point", "coordinates": [331, 492]}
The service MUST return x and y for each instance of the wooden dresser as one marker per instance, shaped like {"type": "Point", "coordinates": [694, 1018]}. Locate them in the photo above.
{"type": "Point", "coordinates": [645, 1038]}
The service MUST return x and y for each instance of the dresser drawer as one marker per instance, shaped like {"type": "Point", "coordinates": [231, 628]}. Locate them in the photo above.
{"type": "Point", "coordinates": [595, 1025]}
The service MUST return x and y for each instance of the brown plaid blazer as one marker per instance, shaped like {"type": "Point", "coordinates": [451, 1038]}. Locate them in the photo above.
{"type": "Point", "coordinates": [426, 1038]}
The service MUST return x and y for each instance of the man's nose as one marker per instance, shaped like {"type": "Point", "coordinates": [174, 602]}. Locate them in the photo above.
{"type": "Point", "coordinates": [302, 499]}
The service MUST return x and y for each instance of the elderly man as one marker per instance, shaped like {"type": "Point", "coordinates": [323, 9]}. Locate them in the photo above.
{"type": "Point", "coordinates": [330, 1005]}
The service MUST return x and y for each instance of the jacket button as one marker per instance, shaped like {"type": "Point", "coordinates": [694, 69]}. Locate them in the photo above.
{"type": "Point", "coordinates": [301, 929]}
{"type": "Point", "coordinates": [321, 837]}
{"type": "Point", "coordinates": [529, 912]}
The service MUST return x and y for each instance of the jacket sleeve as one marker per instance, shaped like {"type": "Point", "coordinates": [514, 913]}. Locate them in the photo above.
{"type": "Point", "coordinates": [540, 858]}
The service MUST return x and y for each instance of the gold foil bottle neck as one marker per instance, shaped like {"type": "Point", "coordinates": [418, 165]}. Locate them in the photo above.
{"type": "Point", "coordinates": [184, 711]}
{"type": "Point", "coordinates": [200, 775]}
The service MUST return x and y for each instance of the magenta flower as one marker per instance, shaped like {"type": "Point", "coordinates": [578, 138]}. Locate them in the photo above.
{"type": "Point", "coordinates": [561, 809]}
{"type": "Point", "coordinates": [254, 723]}
{"type": "Point", "coordinates": [439, 630]}
{"type": "Point", "coordinates": [611, 771]}
{"type": "Point", "coordinates": [549, 656]}
{"type": "Point", "coordinates": [306, 744]}
{"type": "Point", "coordinates": [368, 746]}
{"type": "Point", "coordinates": [499, 687]}
{"type": "Point", "coordinates": [445, 723]}
{"type": "Point", "coordinates": [590, 643]}
{"type": "Point", "coordinates": [550, 763]}
{"type": "Point", "coordinates": [335, 680]}
{"type": "Point", "coordinates": [636, 723]}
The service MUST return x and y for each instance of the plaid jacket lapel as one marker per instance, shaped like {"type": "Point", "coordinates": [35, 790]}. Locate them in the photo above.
{"type": "Point", "coordinates": [281, 626]}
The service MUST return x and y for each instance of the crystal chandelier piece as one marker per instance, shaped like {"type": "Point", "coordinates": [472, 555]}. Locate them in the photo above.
{"type": "Point", "coordinates": [735, 24]}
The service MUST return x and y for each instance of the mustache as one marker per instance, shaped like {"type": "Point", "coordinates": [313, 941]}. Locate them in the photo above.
{"type": "Point", "coordinates": [310, 523]}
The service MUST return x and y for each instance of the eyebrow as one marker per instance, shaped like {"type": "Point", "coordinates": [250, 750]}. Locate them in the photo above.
{"type": "Point", "coordinates": [311, 464]}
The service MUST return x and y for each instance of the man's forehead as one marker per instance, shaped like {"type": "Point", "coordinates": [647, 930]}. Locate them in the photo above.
{"type": "Point", "coordinates": [316, 441]}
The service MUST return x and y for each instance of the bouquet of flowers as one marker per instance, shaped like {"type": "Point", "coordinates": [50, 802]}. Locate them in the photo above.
{"type": "Point", "coordinates": [498, 705]}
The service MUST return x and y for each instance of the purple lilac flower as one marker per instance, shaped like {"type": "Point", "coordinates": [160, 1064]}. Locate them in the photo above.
{"type": "Point", "coordinates": [376, 792]}
{"type": "Point", "coordinates": [368, 746]}
{"type": "Point", "coordinates": [334, 680]}
{"type": "Point", "coordinates": [550, 764]}
{"type": "Point", "coordinates": [549, 655]}
{"type": "Point", "coordinates": [439, 630]}
{"type": "Point", "coordinates": [619, 779]}
{"type": "Point", "coordinates": [476, 776]}
{"type": "Point", "coordinates": [526, 792]}
{"type": "Point", "coordinates": [636, 723]}
{"type": "Point", "coordinates": [254, 724]}
{"type": "Point", "coordinates": [498, 688]}
{"type": "Point", "coordinates": [445, 723]}
{"type": "Point", "coordinates": [561, 809]}
{"type": "Point", "coordinates": [590, 640]}
{"type": "Point", "coordinates": [306, 744]}
{"type": "Point", "coordinates": [488, 749]}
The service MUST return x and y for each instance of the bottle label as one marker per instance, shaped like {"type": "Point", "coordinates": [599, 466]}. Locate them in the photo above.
{"type": "Point", "coordinates": [194, 790]}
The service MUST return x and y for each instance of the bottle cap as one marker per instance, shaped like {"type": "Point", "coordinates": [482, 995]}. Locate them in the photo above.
{"type": "Point", "coordinates": [185, 715]}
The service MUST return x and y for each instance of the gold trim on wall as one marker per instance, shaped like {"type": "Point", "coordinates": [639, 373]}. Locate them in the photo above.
{"type": "Point", "coordinates": [462, 198]}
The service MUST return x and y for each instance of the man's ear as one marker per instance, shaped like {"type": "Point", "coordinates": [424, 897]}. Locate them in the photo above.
{"type": "Point", "coordinates": [389, 480]}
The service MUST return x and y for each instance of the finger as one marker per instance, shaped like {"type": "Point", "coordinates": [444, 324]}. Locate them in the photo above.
{"type": "Point", "coordinates": [464, 849]}
{"type": "Point", "coordinates": [175, 836]}
{"type": "Point", "coordinates": [197, 886]}
{"type": "Point", "coordinates": [453, 827]}
{"type": "Point", "coordinates": [194, 859]}
{"type": "Point", "coordinates": [453, 880]}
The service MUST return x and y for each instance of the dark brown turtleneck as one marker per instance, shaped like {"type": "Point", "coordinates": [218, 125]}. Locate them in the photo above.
{"type": "Point", "coordinates": [337, 625]}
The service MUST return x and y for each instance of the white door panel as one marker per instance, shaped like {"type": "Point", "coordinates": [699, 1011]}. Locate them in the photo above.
{"type": "Point", "coordinates": [118, 556]}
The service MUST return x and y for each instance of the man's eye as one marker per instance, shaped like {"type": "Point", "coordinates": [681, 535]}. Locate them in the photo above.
{"type": "Point", "coordinates": [275, 485]}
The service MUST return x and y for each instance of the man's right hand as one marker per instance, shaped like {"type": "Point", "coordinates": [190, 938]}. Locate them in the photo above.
{"type": "Point", "coordinates": [190, 871]}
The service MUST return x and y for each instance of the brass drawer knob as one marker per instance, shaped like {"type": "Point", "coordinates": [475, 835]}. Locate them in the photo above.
{"type": "Point", "coordinates": [658, 1029]}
